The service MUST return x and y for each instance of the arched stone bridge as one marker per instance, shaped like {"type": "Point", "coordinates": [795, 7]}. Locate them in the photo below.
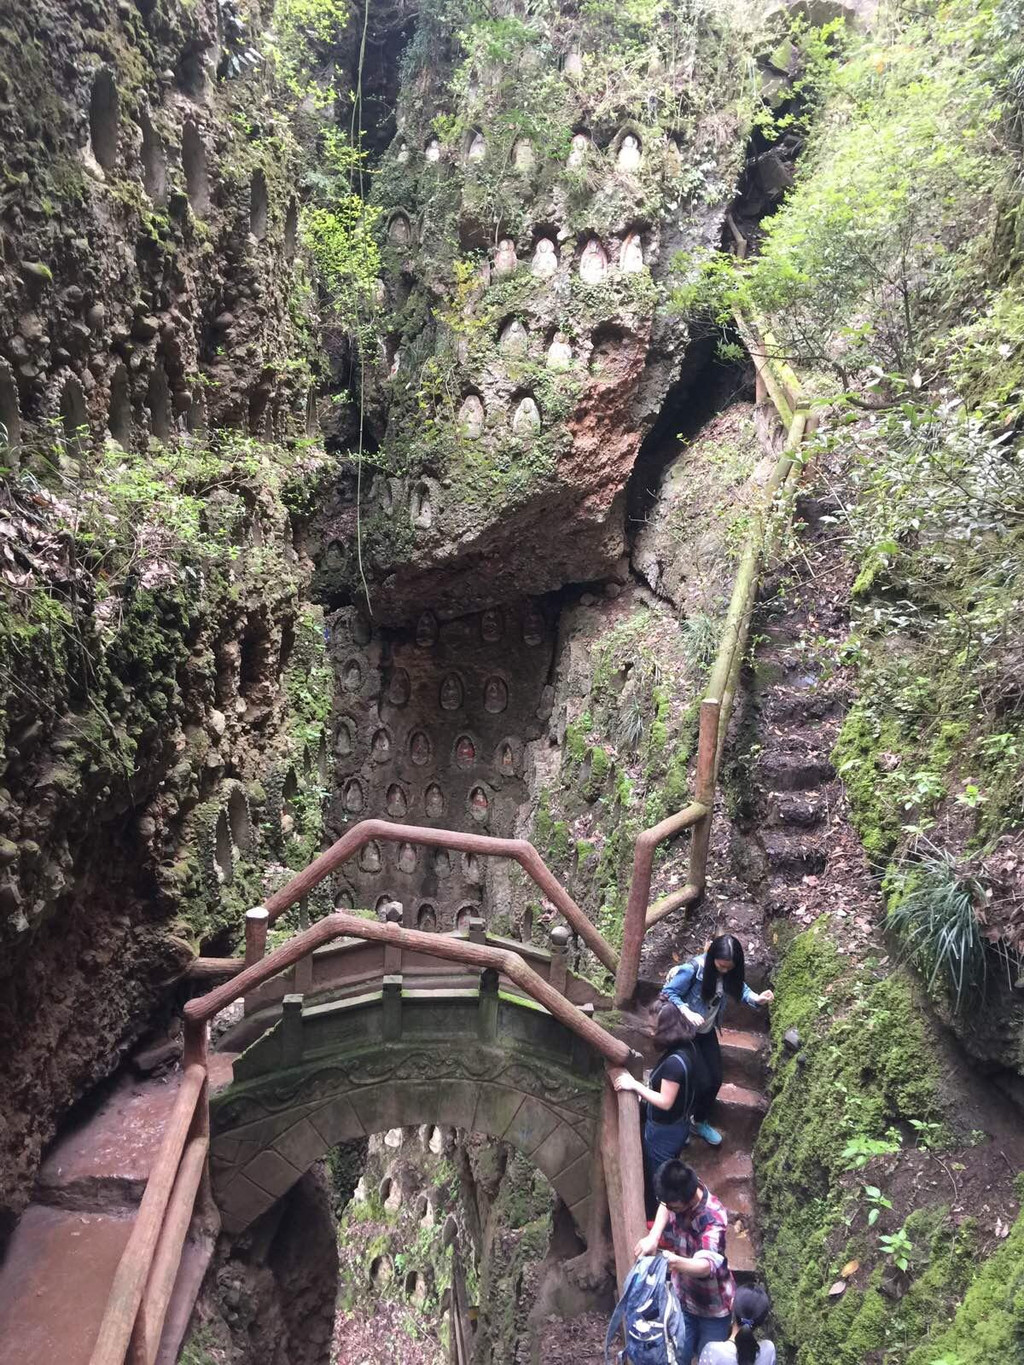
{"type": "Point", "coordinates": [396, 1057]}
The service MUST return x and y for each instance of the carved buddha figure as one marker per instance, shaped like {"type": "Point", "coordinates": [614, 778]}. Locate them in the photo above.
{"type": "Point", "coordinates": [433, 801]}
{"type": "Point", "coordinates": [451, 692]}
{"type": "Point", "coordinates": [526, 418]}
{"type": "Point", "coordinates": [514, 338]}
{"type": "Point", "coordinates": [354, 796]}
{"type": "Point", "coordinates": [491, 626]}
{"type": "Point", "coordinates": [395, 801]}
{"type": "Point", "coordinates": [419, 749]}
{"type": "Point", "coordinates": [380, 748]}
{"type": "Point", "coordinates": [522, 155]}
{"type": "Point", "coordinates": [426, 919]}
{"type": "Point", "coordinates": [407, 858]}
{"type": "Point", "coordinates": [505, 259]}
{"type": "Point", "coordinates": [629, 153]}
{"type": "Point", "coordinates": [465, 751]}
{"type": "Point", "coordinates": [559, 353]}
{"type": "Point", "coordinates": [399, 230]}
{"type": "Point", "coordinates": [426, 629]}
{"type": "Point", "coordinates": [479, 806]}
{"type": "Point", "coordinates": [533, 627]}
{"type": "Point", "coordinates": [369, 859]}
{"type": "Point", "coordinates": [433, 150]}
{"type": "Point", "coordinates": [578, 150]}
{"type": "Point", "coordinates": [495, 696]}
{"type": "Point", "coordinates": [506, 760]}
{"type": "Point", "coordinates": [477, 148]}
{"type": "Point", "coordinates": [631, 254]}
{"type": "Point", "coordinates": [399, 688]}
{"type": "Point", "coordinates": [545, 258]}
{"type": "Point", "coordinates": [593, 262]}
{"type": "Point", "coordinates": [471, 417]}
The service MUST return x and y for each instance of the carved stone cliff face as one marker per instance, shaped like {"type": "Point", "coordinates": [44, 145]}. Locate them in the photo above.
{"type": "Point", "coordinates": [162, 736]}
{"type": "Point", "coordinates": [545, 171]}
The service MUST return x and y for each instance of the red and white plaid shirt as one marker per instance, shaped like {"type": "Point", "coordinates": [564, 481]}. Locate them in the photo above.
{"type": "Point", "coordinates": [700, 1232]}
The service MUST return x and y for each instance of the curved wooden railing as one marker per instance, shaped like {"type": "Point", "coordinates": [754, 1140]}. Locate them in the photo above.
{"type": "Point", "coordinates": [178, 1185]}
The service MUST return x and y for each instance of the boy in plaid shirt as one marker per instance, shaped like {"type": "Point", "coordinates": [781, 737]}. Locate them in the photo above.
{"type": "Point", "coordinates": [690, 1227]}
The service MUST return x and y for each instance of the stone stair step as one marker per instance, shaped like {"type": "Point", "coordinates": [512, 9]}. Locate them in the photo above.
{"type": "Point", "coordinates": [728, 1174]}
{"type": "Point", "coordinates": [55, 1283]}
{"type": "Point", "coordinates": [795, 810]}
{"type": "Point", "coordinates": [741, 1255]}
{"type": "Point", "coordinates": [738, 1114]}
{"type": "Point", "coordinates": [786, 852]}
{"type": "Point", "coordinates": [799, 705]}
{"type": "Point", "coordinates": [745, 1056]}
{"type": "Point", "coordinates": [795, 772]}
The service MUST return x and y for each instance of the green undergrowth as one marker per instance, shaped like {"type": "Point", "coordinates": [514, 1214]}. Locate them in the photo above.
{"type": "Point", "coordinates": [866, 1083]}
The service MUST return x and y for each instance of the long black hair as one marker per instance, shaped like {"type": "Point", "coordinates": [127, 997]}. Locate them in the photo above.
{"type": "Point", "coordinates": [750, 1308]}
{"type": "Point", "coordinates": [727, 948]}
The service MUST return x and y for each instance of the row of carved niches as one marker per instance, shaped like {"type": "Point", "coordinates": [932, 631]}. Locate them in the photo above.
{"type": "Point", "coordinates": [625, 150]}
{"type": "Point", "coordinates": [431, 726]}
{"type": "Point", "coordinates": [548, 254]}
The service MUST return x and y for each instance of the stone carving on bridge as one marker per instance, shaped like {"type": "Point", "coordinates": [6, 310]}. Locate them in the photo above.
{"type": "Point", "coordinates": [395, 801]}
{"type": "Point", "coordinates": [407, 858]}
{"type": "Point", "coordinates": [465, 752]}
{"type": "Point", "coordinates": [434, 802]}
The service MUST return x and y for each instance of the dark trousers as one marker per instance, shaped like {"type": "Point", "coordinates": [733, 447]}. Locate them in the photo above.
{"type": "Point", "coordinates": [661, 1142]}
{"type": "Point", "coordinates": [710, 1053]}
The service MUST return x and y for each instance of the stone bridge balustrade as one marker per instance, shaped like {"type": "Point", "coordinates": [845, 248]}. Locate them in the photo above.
{"type": "Point", "coordinates": [473, 1056]}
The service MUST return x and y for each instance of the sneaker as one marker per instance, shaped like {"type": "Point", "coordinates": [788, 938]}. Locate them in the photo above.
{"type": "Point", "coordinates": [710, 1135]}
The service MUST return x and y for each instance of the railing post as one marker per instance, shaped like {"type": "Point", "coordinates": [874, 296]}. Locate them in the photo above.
{"type": "Point", "coordinates": [291, 1030]}
{"type": "Point", "coordinates": [391, 1008]}
{"type": "Point", "coordinates": [707, 755]}
{"type": "Point", "coordinates": [257, 922]}
{"type": "Point", "coordinates": [393, 951]}
{"type": "Point", "coordinates": [304, 967]}
{"type": "Point", "coordinates": [488, 1019]}
{"type": "Point", "coordinates": [477, 929]}
{"type": "Point", "coordinates": [559, 953]}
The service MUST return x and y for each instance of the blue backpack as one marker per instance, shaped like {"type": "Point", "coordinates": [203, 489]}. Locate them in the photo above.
{"type": "Point", "coordinates": [649, 1315]}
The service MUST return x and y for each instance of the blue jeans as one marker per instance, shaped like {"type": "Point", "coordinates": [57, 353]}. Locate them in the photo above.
{"type": "Point", "coordinates": [697, 1332]}
{"type": "Point", "coordinates": [662, 1142]}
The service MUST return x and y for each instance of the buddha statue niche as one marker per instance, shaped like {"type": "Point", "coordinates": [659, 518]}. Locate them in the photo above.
{"type": "Point", "coordinates": [629, 153]}
{"type": "Point", "coordinates": [505, 259]}
{"type": "Point", "coordinates": [545, 258]}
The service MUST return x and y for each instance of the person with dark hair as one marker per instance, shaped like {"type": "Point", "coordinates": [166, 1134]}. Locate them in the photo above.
{"type": "Point", "coordinates": [750, 1308]}
{"type": "Point", "coordinates": [699, 988]}
{"type": "Point", "coordinates": [669, 1097]}
{"type": "Point", "coordinates": [690, 1225]}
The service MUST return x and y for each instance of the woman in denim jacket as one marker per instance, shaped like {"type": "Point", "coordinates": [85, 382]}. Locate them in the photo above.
{"type": "Point", "coordinates": [699, 989]}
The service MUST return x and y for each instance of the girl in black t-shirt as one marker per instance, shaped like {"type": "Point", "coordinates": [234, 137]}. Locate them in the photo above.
{"type": "Point", "coordinates": [676, 1083]}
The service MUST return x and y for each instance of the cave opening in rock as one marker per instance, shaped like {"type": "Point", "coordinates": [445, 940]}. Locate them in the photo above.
{"type": "Point", "coordinates": [154, 160]}
{"type": "Point", "coordinates": [158, 398]}
{"type": "Point", "coordinates": [119, 416]}
{"type": "Point", "coordinates": [259, 205]}
{"type": "Point", "coordinates": [193, 161]}
{"type": "Point", "coordinates": [104, 119]}
{"type": "Point", "coordinates": [74, 416]}
{"type": "Point", "coordinates": [223, 852]}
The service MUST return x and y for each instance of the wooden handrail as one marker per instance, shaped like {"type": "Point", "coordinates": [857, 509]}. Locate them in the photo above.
{"type": "Point", "coordinates": [136, 1260]}
{"type": "Point", "coordinates": [520, 850]}
{"type": "Point", "coordinates": [343, 925]}
{"type": "Point", "coordinates": [716, 708]}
